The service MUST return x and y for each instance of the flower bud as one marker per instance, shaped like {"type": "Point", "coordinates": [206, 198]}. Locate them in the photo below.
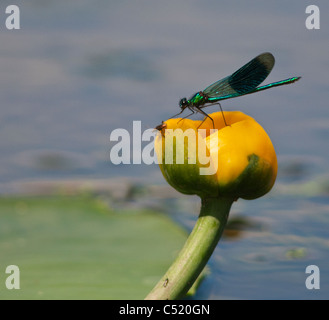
{"type": "Point", "coordinates": [237, 160]}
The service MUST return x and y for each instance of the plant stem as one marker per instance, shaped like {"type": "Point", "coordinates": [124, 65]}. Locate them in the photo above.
{"type": "Point", "coordinates": [196, 252]}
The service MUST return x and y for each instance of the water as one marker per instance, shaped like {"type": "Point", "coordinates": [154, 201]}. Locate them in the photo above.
{"type": "Point", "coordinates": [75, 72]}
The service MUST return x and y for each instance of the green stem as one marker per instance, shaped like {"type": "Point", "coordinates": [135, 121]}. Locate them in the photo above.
{"type": "Point", "coordinates": [196, 252]}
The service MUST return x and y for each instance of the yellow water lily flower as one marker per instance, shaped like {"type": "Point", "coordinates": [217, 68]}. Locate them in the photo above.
{"type": "Point", "coordinates": [236, 160]}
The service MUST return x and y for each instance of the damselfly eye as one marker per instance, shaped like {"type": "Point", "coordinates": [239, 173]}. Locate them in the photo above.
{"type": "Point", "coordinates": [183, 103]}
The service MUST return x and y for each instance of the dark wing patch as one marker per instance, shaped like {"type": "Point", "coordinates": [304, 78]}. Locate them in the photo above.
{"type": "Point", "coordinates": [244, 80]}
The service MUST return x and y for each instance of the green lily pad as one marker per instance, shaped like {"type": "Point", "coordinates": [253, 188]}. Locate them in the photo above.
{"type": "Point", "coordinates": [77, 248]}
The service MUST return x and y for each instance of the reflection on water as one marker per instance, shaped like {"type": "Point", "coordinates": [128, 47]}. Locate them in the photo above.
{"type": "Point", "coordinates": [120, 63]}
{"type": "Point", "coordinates": [237, 225]}
{"type": "Point", "coordinates": [294, 170]}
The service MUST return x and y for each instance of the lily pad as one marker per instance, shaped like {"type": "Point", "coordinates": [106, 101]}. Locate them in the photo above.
{"type": "Point", "coordinates": [78, 248]}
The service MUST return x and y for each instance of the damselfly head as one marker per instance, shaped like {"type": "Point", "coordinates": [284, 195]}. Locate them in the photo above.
{"type": "Point", "coordinates": [183, 103]}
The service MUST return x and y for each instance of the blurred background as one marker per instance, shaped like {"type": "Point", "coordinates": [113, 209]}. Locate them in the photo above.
{"type": "Point", "coordinates": [76, 71]}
